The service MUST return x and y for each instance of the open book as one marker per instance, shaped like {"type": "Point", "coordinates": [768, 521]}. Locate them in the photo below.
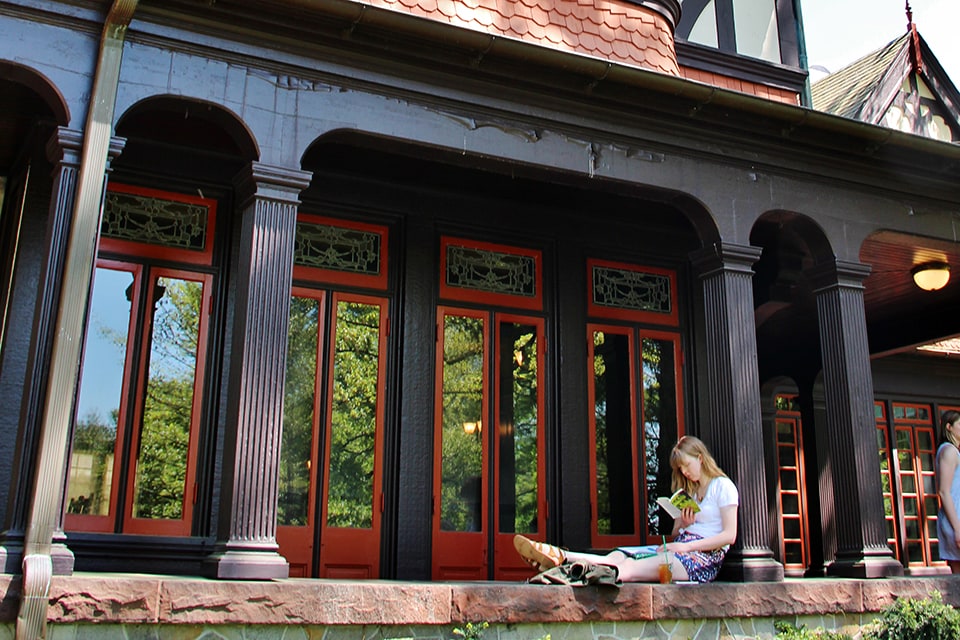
{"type": "Point", "coordinates": [678, 502]}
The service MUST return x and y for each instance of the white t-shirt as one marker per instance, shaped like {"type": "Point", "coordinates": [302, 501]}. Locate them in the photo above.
{"type": "Point", "coordinates": [721, 492]}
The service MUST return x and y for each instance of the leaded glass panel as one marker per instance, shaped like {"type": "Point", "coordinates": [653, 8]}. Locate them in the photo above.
{"type": "Point", "coordinates": [325, 246]}
{"type": "Point", "coordinates": [636, 290]}
{"type": "Point", "coordinates": [491, 271]}
{"type": "Point", "coordinates": [169, 223]}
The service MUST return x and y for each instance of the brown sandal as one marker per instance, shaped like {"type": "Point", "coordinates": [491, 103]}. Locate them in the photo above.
{"type": "Point", "coordinates": [539, 555]}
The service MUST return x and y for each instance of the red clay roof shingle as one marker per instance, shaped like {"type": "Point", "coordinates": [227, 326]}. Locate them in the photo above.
{"type": "Point", "coordinates": [615, 30]}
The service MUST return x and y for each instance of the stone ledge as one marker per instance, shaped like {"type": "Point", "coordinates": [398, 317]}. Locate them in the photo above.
{"type": "Point", "coordinates": [142, 599]}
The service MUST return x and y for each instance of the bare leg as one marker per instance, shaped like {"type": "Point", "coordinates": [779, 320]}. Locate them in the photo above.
{"type": "Point", "coordinates": [954, 566]}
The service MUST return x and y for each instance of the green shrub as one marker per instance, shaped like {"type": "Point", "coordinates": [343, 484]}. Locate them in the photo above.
{"type": "Point", "coordinates": [787, 631]}
{"type": "Point", "coordinates": [471, 631]}
{"type": "Point", "coordinates": [916, 619]}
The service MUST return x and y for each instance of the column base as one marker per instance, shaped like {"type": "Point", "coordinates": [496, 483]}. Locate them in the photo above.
{"type": "Point", "coordinates": [11, 558]}
{"type": "Point", "coordinates": [246, 565]}
{"type": "Point", "coordinates": [878, 563]}
{"type": "Point", "coordinates": [743, 566]}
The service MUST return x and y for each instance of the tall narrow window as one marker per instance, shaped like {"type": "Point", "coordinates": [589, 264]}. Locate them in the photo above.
{"type": "Point", "coordinates": [96, 438]}
{"type": "Point", "coordinates": [660, 421]}
{"type": "Point", "coordinates": [914, 482]}
{"type": "Point", "coordinates": [791, 486]}
{"type": "Point", "coordinates": [615, 445]}
{"type": "Point", "coordinates": [331, 497]}
{"type": "Point", "coordinates": [489, 443]}
{"type": "Point", "coordinates": [746, 27]}
{"type": "Point", "coordinates": [886, 476]}
{"type": "Point", "coordinates": [461, 431]}
{"type": "Point", "coordinates": [297, 462]}
{"type": "Point", "coordinates": [518, 429]}
{"type": "Point", "coordinates": [139, 410]}
{"type": "Point", "coordinates": [170, 400]}
{"type": "Point", "coordinates": [634, 395]}
{"type": "Point", "coordinates": [353, 415]}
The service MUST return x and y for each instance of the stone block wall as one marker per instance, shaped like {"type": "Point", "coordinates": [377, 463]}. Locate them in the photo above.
{"type": "Point", "coordinates": [125, 606]}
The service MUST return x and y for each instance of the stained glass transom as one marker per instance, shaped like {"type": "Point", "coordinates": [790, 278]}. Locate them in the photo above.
{"type": "Point", "coordinates": [325, 246]}
{"type": "Point", "coordinates": [492, 271]}
{"type": "Point", "coordinates": [169, 223]}
{"type": "Point", "coordinates": [635, 290]}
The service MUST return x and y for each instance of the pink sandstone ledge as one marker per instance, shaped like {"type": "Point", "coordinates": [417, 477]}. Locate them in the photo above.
{"type": "Point", "coordinates": [142, 599]}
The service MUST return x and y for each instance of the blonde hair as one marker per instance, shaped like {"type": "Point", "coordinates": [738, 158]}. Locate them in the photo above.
{"type": "Point", "coordinates": [947, 418]}
{"type": "Point", "coordinates": [695, 448]}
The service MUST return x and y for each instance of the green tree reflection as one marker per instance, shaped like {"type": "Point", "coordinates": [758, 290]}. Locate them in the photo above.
{"type": "Point", "coordinates": [353, 421]}
{"type": "Point", "coordinates": [168, 402]}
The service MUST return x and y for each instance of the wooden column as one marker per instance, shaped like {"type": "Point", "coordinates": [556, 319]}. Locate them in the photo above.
{"type": "Point", "coordinates": [247, 531]}
{"type": "Point", "coordinates": [730, 421]}
{"type": "Point", "coordinates": [40, 279]}
{"type": "Point", "coordinates": [850, 426]}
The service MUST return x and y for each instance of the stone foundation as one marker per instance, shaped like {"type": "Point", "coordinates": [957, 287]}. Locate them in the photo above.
{"type": "Point", "coordinates": [128, 606]}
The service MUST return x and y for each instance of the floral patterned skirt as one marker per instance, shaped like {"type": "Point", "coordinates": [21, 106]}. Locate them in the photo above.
{"type": "Point", "coordinates": [701, 566]}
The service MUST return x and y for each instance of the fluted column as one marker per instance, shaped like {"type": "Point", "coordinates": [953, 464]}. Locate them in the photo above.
{"type": "Point", "coordinates": [850, 428]}
{"type": "Point", "coordinates": [247, 532]}
{"type": "Point", "coordinates": [62, 151]}
{"type": "Point", "coordinates": [730, 420]}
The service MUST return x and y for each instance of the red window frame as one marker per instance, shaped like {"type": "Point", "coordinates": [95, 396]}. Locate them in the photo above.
{"type": "Point", "coordinates": [460, 555]}
{"type": "Point", "coordinates": [638, 325]}
{"type": "Point", "coordinates": [886, 453]}
{"type": "Point", "coordinates": [297, 541]}
{"type": "Point", "coordinates": [534, 302]}
{"type": "Point", "coordinates": [354, 553]}
{"type": "Point", "coordinates": [642, 501]}
{"type": "Point", "coordinates": [595, 310]}
{"type": "Point", "coordinates": [181, 526]}
{"type": "Point", "coordinates": [343, 553]}
{"type": "Point", "coordinates": [140, 260]}
{"type": "Point", "coordinates": [636, 448]}
{"type": "Point", "coordinates": [143, 250]}
{"type": "Point", "coordinates": [507, 564]}
{"type": "Point", "coordinates": [911, 426]}
{"type": "Point", "coordinates": [344, 278]}
{"type": "Point", "coordinates": [792, 449]}
{"type": "Point", "coordinates": [106, 523]}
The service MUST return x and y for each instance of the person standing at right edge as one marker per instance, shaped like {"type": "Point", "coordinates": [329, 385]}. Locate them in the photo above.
{"type": "Point", "coordinates": [948, 488]}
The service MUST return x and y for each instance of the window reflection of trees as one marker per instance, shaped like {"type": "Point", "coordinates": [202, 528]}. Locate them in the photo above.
{"type": "Point", "coordinates": [101, 382]}
{"type": "Point", "coordinates": [462, 448]}
{"type": "Point", "coordinates": [168, 402]}
{"type": "Point", "coordinates": [613, 417]}
{"type": "Point", "coordinates": [354, 415]}
{"type": "Point", "coordinates": [518, 430]}
{"type": "Point", "coordinates": [298, 412]}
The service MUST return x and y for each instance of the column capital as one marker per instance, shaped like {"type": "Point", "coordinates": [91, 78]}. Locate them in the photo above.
{"type": "Point", "coordinates": [279, 183]}
{"type": "Point", "coordinates": [843, 273]}
{"type": "Point", "coordinates": [64, 146]}
{"type": "Point", "coordinates": [724, 256]}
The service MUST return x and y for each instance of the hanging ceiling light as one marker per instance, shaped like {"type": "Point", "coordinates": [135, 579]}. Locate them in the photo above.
{"type": "Point", "coordinates": [931, 276]}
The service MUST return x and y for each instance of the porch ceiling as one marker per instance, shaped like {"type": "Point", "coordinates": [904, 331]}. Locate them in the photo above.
{"type": "Point", "coordinates": [899, 314]}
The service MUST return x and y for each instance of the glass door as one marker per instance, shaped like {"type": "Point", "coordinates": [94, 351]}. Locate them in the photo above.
{"type": "Point", "coordinates": [489, 474]}
{"type": "Point", "coordinates": [139, 406]}
{"type": "Point", "coordinates": [634, 423]}
{"type": "Point", "coordinates": [333, 413]}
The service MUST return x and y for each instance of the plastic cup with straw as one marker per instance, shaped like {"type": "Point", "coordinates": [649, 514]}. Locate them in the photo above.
{"type": "Point", "coordinates": [666, 573]}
